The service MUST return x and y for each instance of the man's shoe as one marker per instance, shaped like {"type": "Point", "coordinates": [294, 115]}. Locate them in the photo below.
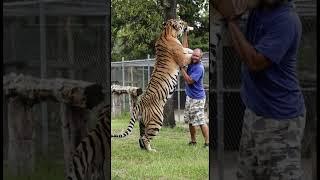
{"type": "Point", "coordinates": [192, 143]}
{"type": "Point", "coordinates": [206, 145]}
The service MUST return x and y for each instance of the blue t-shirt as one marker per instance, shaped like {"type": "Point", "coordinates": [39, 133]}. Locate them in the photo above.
{"type": "Point", "coordinates": [274, 92]}
{"type": "Point", "coordinates": [196, 90]}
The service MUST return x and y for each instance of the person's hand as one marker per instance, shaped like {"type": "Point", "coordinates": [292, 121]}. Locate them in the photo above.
{"type": "Point", "coordinates": [182, 67]}
{"type": "Point", "coordinates": [233, 22]}
{"type": "Point", "coordinates": [233, 18]}
{"type": "Point", "coordinates": [240, 7]}
{"type": "Point", "coordinates": [185, 30]}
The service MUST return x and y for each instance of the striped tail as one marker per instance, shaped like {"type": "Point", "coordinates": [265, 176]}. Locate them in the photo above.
{"type": "Point", "coordinates": [131, 124]}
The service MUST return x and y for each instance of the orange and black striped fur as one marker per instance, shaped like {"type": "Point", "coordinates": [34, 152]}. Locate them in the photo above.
{"type": "Point", "coordinates": [89, 156]}
{"type": "Point", "coordinates": [170, 55]}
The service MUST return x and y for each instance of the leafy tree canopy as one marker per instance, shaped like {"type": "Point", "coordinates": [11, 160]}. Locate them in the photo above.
{"type": "Point", "coordinates": [136, 24]}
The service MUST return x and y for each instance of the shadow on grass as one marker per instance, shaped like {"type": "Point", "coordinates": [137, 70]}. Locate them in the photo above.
{"type": "Point", "coordinates": [49, 169]}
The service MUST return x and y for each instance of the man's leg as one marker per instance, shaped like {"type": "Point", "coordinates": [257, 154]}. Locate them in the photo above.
{"type": "Point", "coordinates": [192, 133]}
{"type": "Point", "coordinates": [187, 119]}
{"type": "Point", "coordinates": [278, 145]}
{"type": "Point", "coordinates": [280, 148]}
{"type": "Point", "coordinates": [247, 162]}
{"type": "Point", "coordinates": [199, 118]}
{"type": "Point", "coordinates": [205, 132]}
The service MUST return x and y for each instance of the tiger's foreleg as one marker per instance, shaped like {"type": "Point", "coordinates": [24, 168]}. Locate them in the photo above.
{"type": "Point", "coordinates": [182, 56]}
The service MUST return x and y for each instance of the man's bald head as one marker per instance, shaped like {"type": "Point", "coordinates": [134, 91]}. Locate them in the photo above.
{"type": "Point", "coordinates": [196, 55]}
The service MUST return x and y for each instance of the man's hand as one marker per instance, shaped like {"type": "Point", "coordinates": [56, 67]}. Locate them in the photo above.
{"type": "Point", "coordinates": [186, 77]}
{"type": "Point", "coordinates": [239, 8]}
{"type": "Point", "coordinates": [182, 68]}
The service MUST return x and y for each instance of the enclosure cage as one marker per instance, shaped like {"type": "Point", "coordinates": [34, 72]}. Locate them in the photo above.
{"type": "Point", "coordinates": [138, 72]}
{"type": "Point", "coordinates": [233, 108]}
{"type": "Point", "coordinates": [54, 39]}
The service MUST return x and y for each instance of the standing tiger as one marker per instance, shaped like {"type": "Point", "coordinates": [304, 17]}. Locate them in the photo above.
{"type": "Point", "coordinates": [89, 156]}
{"type": "Point", "coordinates": [170, 55]}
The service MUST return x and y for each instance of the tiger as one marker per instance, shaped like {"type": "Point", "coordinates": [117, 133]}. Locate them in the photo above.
{"type": "Point", "coordinates": [88, 159]}
{"type": "Point", "coordinates": [169, 57]}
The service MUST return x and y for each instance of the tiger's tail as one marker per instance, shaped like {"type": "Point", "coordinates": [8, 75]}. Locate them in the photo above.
{"type": "Point", "coordinates": [133, 119]}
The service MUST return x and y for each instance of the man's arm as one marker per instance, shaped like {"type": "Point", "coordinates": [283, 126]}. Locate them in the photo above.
{"type": "Point", "coordinates": [235, 44]}
{"type": "Point", "coordinates": [186, 77]}
{"type": "Point", "coordinates": [247, 52]}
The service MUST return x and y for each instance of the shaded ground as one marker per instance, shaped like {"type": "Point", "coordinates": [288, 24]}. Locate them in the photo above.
{"type": "Point", "coordinates": [231, 167]}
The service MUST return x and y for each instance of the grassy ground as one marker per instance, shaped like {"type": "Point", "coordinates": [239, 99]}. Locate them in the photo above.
{"type": "Point", "coordinates": [174, 159]}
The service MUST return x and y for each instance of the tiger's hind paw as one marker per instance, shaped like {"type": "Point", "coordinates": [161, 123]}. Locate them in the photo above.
{"type": "Point", "coordinates": [152, 150]}
{"type": "Point", "coordinates": [141, 144]}
{"type": "Point", "coordinates": [149, 149]}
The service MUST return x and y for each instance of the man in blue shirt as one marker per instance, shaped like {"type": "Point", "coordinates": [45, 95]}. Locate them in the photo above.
{"type": "Point", "coordinates": [195, 97]}
{"type": "Point", "coordinates": [274, 119]}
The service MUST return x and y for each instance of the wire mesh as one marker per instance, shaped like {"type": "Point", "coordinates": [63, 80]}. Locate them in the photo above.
{"type": "Point", "coordinates": [234, 108]}
{"type": "Point", "coordinates": [136, 74]}
{"type": "Point", "coordinates": [75, 50]}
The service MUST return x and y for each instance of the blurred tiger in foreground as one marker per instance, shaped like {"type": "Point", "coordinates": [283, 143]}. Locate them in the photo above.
{"type": "Point", "coordinates": [170, 55]}
{"type": "Point", "coordinates": [89, 156]}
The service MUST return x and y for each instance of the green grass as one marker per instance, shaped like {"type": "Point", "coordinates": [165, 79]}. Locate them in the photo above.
{"type": "Point", "coordinates": [174, 159]}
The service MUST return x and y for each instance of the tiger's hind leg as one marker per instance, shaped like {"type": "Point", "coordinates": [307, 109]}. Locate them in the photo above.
{"type": "Point", "coordinates": [151, 128]}
{"type": "Point", "coordinates": [146, 143]}
{"type": "Point", "coordinates": [142, 132]}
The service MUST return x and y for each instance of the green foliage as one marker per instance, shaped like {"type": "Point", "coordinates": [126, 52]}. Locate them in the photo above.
{"type": "Point", "coordinates": [137, 24]}
{"type": "Point", "coordinates": [196, 13]}
{"type": "Point", "coordinates": [135, 27]}
{"type": "Point", "coordinates": [174, 159]}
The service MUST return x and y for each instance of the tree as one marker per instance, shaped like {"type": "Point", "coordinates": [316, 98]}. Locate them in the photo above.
{"type": "Point", "coordinates": [170, 13]}
{"type": "Point", "coordinates": [169, 9]}
{"type": "Point", "coordinates": [136, 25]}
{"type": "Point", "coordinates": [196, 14]}
{"type": "Point", "coordinates": [135, 28]}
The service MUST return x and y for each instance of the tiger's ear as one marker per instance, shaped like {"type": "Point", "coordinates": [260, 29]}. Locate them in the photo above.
{"type": "Point", "coordinates": [164, 23]}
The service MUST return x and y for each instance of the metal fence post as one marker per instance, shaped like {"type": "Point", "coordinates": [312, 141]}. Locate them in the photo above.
{"type": "Point", "coordinates": [123, 84]}
{"type": "Point", "coordinates": [131, 75]}
{"type": "Point", "coordinates": [220, 116]}
{"type": "Point", "coordinates": [143, 78]}
{"type": "Point", "coordinates": [216, 55]}
{"type": "Point", "coordinates": [43, 59]}
{"type": "Point", "coordinates": [148, 67]}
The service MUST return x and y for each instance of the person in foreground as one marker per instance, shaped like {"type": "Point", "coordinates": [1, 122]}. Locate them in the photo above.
{"type": "Point", "coordinates": [274, 119]}
{"type": "Point", "coordinates": [195, 97]}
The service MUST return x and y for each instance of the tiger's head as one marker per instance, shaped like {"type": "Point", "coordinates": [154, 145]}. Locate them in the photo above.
{"type": "Point", "coordinates": [174, 27]}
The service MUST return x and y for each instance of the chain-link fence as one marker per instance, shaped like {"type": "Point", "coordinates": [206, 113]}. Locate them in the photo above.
{"type": "Point", "coordinates": [232, 109]}
{"type": "Point", "coordinates": [54, 39]}
{"type": "Point", "coordinates": [137, 73]}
